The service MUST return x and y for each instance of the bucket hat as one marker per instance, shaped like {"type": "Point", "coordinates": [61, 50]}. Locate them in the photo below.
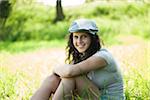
{"type": "Point", "coordinates": [83, 25]}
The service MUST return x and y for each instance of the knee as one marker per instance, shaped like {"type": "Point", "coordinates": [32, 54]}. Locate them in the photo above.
{"type": "Point", "coordinates": [68, 80]}
{"type": "Point", "coordinates": [68, 83]}
{"type": "Point", "coordinates": [81, 78]}
{"type": "Point", "coordinates": [52, 79]}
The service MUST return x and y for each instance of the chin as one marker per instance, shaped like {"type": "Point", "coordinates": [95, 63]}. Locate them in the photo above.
{"type": "Point", "coordinates": [81, 51]}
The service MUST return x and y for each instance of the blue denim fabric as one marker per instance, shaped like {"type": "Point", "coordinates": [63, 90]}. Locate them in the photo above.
{"type": "Point", "coordinates": [111, 97]}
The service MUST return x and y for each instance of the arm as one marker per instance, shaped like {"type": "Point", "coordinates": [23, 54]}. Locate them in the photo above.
{"type": "Point", "coordinates": [87, 65]}
{"type": "Point", "coordinates": [92, 63]}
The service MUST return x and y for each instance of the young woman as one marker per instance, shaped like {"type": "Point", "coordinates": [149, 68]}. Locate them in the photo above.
{"type": "Point", "coordinates": [92, 72]}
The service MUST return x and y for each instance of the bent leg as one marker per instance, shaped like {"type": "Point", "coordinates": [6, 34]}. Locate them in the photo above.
{"type": "Point", "coordinates": [48, 87]}
{"type": "Point", "coordinates": [86, 89]}
{"type": "Point", "coordinates": [81, 85]}
{"type": "Point", "coordinates": [65, 89]}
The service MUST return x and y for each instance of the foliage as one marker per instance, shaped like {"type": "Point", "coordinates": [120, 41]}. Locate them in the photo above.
{"type": "Point", "coordinates": [34, 22]}
{"type": "Point", "coordinates": [122, 18]}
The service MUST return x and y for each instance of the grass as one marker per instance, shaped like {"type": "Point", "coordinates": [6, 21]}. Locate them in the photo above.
{"type": "Point", "coordinates": [7, 85]}
{"type": "Point", "coordinates": [15, 86]}
{"type": "Point", "coordinates": [21, 74]}
{"type": "Point", "coordinates": [23, 82]}
{"type": "Point", "coordinates": [25, 46]}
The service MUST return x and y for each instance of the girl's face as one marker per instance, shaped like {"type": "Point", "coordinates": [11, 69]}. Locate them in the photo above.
{"type": "Point", "coordinates": [81, 41]}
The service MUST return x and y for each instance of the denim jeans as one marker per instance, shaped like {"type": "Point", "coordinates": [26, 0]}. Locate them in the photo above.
{"type": "Point", "coordinates": [111, 97]}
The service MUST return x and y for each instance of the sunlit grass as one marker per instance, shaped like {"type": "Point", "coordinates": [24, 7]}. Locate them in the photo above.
{"type": "Point", "coordinates": [26, 78]}
{"type": "Point", "coordinates": [134, 54]}
{"type": "Point", "coordinates": [24, 46]}
{"type": "Point", "coordinates": [7, 84]}
{"type": "Point", "coordinates": [20, 78]}
{"type": "Point", "coordinates": [137, 81]}
{"type": "Point", "coordinates": [16, 86]}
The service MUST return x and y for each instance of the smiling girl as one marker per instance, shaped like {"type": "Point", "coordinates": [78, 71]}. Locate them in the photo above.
{"type": "Point", "coordinates": [92, 72]}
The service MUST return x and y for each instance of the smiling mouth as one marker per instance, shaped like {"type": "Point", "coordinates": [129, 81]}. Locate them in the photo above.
{"type": "Point", "coordinates": [80, 46]}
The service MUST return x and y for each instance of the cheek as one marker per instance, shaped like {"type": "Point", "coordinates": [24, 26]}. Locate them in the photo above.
{"type": "Point", "coordinates": [89, 44]}
{"type": "Point", "coordinates": [88, 41]}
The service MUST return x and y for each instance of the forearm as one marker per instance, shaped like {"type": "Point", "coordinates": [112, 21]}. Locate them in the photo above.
{"type": "Point", "coordinates": [86, 66]}
{"type": "Point", "coordinates": [75, 70]}
{"type": "Point", "coordinates": [67, 71]}
{"type": "Point", "coordinates": [80, 68]}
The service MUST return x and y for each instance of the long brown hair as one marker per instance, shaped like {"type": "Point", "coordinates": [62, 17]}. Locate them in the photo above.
{"type": "Point", "coordinates": [73, 56]}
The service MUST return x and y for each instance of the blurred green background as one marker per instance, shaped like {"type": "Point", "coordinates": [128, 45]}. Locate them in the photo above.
{"type": "Point", "coordinates": [27, 26]}
{"type": "Point", "coordinates": [34, 21]}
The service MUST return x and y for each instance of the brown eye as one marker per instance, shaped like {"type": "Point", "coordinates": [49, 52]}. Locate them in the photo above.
{"type": "Point", "coordinates": [75, 37]}
{"type": "Point", "coordinates": [84, 36]}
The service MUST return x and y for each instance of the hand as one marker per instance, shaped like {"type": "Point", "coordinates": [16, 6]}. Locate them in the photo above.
{"type": "Point", "coordinates": [62, 71]}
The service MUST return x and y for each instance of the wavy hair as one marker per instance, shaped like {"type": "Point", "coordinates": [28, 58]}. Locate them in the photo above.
{"type": "Point", "coordinates": [73, 56]}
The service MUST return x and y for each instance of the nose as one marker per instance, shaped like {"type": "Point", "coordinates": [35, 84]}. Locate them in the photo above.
{"type": "Point", "coordinates": [79, 40]}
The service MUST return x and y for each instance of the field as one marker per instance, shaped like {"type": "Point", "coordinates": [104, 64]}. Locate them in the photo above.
{"type": "Point", "coordinates": [31, 44]}
{"type": "Point", "coordinates": [22, 73]}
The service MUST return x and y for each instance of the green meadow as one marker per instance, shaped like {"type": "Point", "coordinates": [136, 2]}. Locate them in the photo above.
{"type": "Point", "coordinates": [32, 45]}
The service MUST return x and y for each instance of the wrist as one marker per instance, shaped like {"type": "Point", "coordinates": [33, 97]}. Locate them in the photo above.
{"type": "Point", "coordinates": [56, 74]}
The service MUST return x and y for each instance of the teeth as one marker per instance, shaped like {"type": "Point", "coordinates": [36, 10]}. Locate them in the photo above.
{"type": "Point", "coordinates": [80, 46]}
